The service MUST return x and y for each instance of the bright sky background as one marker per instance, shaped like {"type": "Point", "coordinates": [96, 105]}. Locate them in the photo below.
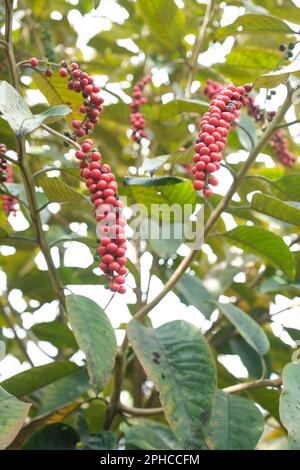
{"type": "Point", "coordinates": [78, 255]}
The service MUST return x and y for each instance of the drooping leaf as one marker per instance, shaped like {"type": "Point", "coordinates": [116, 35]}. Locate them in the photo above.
{"type": "Point", "coordinates": [276, 208]}
{"type": "Point", "coordinates": [176, 358]}
{"type": "Point", "coordinates": [236, 423]}
{"type": "Point", "coordinates": [12, 415]}
{"type": "Point", "coordinates": [95, 336]}
{"type": "Point", "coordinates": [289, 405]}
{"type": "Point", "coordinates": [263, 243]}
{"type": "Point", "coordinates": [248, 328]}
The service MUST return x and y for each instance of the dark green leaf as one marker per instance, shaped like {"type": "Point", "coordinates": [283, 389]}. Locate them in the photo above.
{"type": "Point", "coordinates": [176, 358]}
{"type": "Point", "coordinates": [95, 336]}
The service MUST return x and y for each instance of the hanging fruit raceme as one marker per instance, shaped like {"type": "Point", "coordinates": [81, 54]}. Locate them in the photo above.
{"type": "Point", "coordinates": [108, 209]}
{"type": "Point", "coordinates": [9, 203]}
{"type": "Point", "coordinates": [214, 129]}
{"type": "Point", "coordinates": [279, 141]}
{"type": "Point", "coordinates": [137, 119]}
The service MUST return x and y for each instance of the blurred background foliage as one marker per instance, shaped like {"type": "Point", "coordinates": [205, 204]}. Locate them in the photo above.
{"type": "Point", "coordinates": [118, 43]}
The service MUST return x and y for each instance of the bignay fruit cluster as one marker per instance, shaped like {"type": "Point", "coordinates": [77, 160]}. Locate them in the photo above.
{"type": "Point", "coordinates": [9, 203]}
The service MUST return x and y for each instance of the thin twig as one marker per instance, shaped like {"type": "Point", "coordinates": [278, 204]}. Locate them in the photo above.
{"type": "Point", "coordinates": [198, 48]}
{"type": "Point", "coordinates": [61, 136]}
{"type": "Point", "coordinates": [251, 385]}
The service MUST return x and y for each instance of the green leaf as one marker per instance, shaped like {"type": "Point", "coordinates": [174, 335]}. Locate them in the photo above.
{"type": "Point", "coordinates": [19, 117]}
{"type": "Point", "coordinates": [2, 350]}
{"type": "Point", "coordinates": [245, 64]}
{"type": "Point", "coordinates": [57, 436]}
{"type": "Point", "coordinates": [63, 391]}
{"type": "Point", "coordinates": [95, 336]}
{"type": "Point", "coordinates": [193, 292]}
{"type": "Point", "coordinates": [289, 11]}
{"type": "Point", "coordinates": [145, 434]}
{"type": "Point", "coordinates": [276, 208]}
{"type": "Point", "coordinates": [56, 332]}
{"type": "Point", "coordinates": [176, 358]}
{"type": "Point", "coordinates": [248, 328]}
{"type": "Point", "coordinates": [246, 131]}
{"type": "Point", "coordinates": [56, 91]}
{"type": "Point", "coordinates": [274, 78]}
{"type": "Point", "coordinates": [153, 164]}
{"type": "Point", "coordinates": [58, 191]}
{"type": "Point", "coordinates": [236, 423]}
{"type": "Point", "coordinates": [153, 192]}
{"type": "Point", "coordinates": [164, 20]}
{"type": "Point", "coordinates": [289, 405]}
{"type": "Point", "coordinates": [266, 244]}
{"type": "Point", "coordinates": [259, 24]}
{"type": "Point", "coordinates": [33, 379]}
{"type": "Point", "coordinates": [12, 415]}
{"type": "Point", "coordinates": [177, 106]}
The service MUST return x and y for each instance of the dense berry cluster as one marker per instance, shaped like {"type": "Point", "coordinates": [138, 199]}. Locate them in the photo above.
{"type": "Point", "coordinates": [80, 82]}
{"type": "Point", "coordinates": [108, 212]}
{"type": "Point", "coordinates": [212, 88]}
{"type": "Point", "coordinates": [280, 145]}
{"type": "Point", "coordinates": [137, 119]}
{"type": "Point", "coordinates": [278, 141]}
{"type": "Point", "coordinates": [9, 203]}
{"type": "Point", "coordinates": [214, 129]}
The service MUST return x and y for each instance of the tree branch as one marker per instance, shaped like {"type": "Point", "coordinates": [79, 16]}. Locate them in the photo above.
{"type": "Point", "coordinates": [197, 48]}
{"type": "Point", "coordinates": [24, 166]}
{"type": "Point", "coordinates": [252, 385]}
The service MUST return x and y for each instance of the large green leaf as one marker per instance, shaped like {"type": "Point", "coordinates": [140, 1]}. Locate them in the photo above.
{"type": "Point", "coordinates": [236, 423]}
{"type": "Point", "coordinates": [164, 20]}
{"type": "Point", "coordinates": [266, 244]}
{"type": "Point", "coordinates": [145, 434]}
{"type": "Point", "coordinates": [33, 379]}
{"type": "Point", "coordinates": [276, 208]}
{"type": "Point", "coordinates": [289, 404]}
{"type": "Point", "coordinates": [259, 24]}
{"type": "Point", "coordinates": [58, 191]}
{"type": "Point", "coordinates": [164, 191]}
{"type": "Point", "coordinates": [274, 78]}
{"type": "Point", "coordinates": [95, 336]}
{"type": "Point", "coordinates": [176, 358]}
{"type": "Point", "coordinates": [56, 91]}
{"type": "Point", "coordinates": [12, 415]}
{"type": "Point", "coordinates": [18, 115]}
{"type": "Point", "coordinates": [248, 328]}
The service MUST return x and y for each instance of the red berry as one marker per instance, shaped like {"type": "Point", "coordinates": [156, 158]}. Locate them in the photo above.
{"type": "Point", "coordinates": [199, 185]}
{"type": "Point", "coordinates": [63, 72]}
{"type": "Point", "coordinates": [34, 62]}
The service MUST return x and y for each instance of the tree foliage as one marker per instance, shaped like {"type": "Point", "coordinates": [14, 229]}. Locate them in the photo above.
{"type": "Point", "coordinates": [103, 383]}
